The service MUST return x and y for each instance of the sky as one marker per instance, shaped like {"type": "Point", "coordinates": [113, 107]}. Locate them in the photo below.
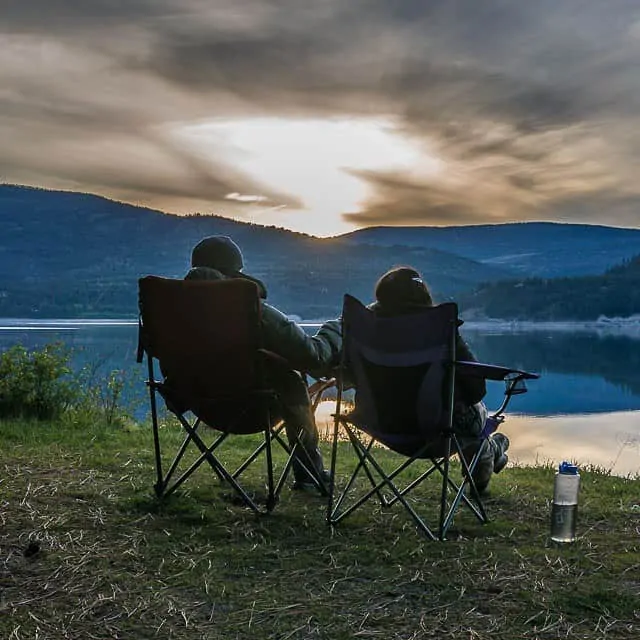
{"type": "Point", "coordinates": [329, 115]}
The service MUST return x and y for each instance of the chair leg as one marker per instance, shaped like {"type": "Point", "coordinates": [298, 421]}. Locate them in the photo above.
{"type": "Point", "coordinates": [162, 486]}
{"type": "Point", "coordinates": [166, 484]}
{"type": "Point", "coordinates": [219, 468]}
{"type": "Point", "coordinates": [363, 454]}
{"type": "Point", "coordinates": [333, 466]}
{"type": "Point", "coordinates": [447, 509]}
{"type": "Point", "coordinates": [334, 515]}
{"type": "Point", "coordinates": [445, 489]}
{"type": "Point", "coordinates": [271, 496]}
{"type": "Point", "coordinates": [460, 492]}
{"type": "Point", "coordinates": [159, 485]}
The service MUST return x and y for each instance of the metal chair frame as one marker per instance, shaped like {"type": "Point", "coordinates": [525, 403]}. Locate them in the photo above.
{"type": "Point", "coordinates": [453, 493]}
{"type": "Point", "coordinates": [170, 479]}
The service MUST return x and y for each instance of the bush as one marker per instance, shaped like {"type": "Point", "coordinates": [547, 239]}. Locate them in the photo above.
{"type": "Point", "coordinates": [35, 384]}
{"type": "Point", "coordinates": [101, 398]}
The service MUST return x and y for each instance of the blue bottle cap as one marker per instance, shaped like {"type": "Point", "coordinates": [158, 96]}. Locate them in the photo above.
{"type": "Point", "coordinates": [568, 467]}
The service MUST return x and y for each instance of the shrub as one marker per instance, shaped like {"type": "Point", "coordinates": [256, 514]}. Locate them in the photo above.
{"type": "Point", "coordinates": [35, 383]}
{"type": "Point", "coordinates": [101, 398]}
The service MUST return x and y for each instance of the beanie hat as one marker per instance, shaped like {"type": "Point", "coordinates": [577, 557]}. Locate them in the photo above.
{"type": "Point", "coordinates": [224, 255]}
{"type": "Point", "coordinates": [218, 252]}
{"type": "Point", "coordinates": [402, 289]}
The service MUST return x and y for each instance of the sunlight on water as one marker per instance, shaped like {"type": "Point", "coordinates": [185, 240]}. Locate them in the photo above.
{"type": "Point", "coordinates": [607, 440]}
{"type": "Point", "coordinates": [610, 441]}
{"type": "Point", "coordinates": [585, 407]}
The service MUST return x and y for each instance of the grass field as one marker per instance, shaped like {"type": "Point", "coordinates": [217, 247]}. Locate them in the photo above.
{"type": "Point", "coordinates": [87, 551]}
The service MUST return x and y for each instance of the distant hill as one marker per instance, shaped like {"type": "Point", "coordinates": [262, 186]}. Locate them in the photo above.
{"type": "Point", "coordinates": [65, 254]}
{"type": "Point", "coordinates": [531, 249]}
{"type": "Point", "coordinates": [616, 293]}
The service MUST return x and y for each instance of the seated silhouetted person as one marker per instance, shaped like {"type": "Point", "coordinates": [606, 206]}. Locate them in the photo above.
{"type": "Point", "coordinates": [219, 258]}
{"type": "Point", "coordinates": [402, 291]}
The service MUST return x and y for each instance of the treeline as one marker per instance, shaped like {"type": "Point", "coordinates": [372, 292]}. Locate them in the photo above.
{"type": "Point", "coordinates": [64, 299]}
{"type": "Point", "coordinates": [616, 293]}
{"type": "Point", "coordinates": [77, 255]}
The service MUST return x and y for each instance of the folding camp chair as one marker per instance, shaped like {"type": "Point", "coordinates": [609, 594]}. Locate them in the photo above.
{"type": "Point", "coordinates": [206, 337]}
{"type": "Point", "coordinates": [404, 370]}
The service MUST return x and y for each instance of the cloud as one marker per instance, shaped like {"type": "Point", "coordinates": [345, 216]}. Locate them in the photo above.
{"type": "Point", "coordinates": [531, 108]}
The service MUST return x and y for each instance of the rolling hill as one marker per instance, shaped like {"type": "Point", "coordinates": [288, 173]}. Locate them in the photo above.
{"type": "Point", "coordinates": [531, 249]}
{"type": "Point", "coordinates": [66, 254]}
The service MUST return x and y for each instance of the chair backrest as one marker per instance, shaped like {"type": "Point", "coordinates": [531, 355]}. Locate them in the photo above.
{"type": "Point", "coordinates": [205, 334]}
{"type": "Point", "coordinates": [402, 371]}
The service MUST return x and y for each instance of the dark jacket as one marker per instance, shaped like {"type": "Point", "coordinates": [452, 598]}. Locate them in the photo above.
{"type": "Point", "coordinates": [469, 389]}
{"type": "Point", "coordinates": [318, 354]}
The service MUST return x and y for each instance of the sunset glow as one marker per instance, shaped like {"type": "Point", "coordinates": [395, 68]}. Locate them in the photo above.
{"type": "Point", "coordinates": [323, 117]}
{"type": "Point", "coordinates": [311, 160]}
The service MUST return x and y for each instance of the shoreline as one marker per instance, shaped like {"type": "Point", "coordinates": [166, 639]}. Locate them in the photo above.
{"type": "Point", "coordinates": [630, 325]}
{"type": "Point", "coordinates": [626, 326]}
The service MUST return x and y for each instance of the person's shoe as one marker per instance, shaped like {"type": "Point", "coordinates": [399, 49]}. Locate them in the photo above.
{"type": "Point", "coordinates": [307, 484]}
{"type": "Point", "coordinates": [501, 444]}
{"type": "Point", "coordinates": [484, 469]}
{"type": "Point", "coordinates": [483, 488]}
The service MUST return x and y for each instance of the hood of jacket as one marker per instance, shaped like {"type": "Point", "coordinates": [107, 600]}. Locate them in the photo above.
{"type": "Point", "coordinates": [207, 273]}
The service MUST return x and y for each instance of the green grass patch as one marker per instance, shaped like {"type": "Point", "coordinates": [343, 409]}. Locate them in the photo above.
{"type": "Point", "coordinates": [88, 551]}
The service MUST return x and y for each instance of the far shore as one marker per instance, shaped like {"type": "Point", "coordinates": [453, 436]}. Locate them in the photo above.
{"type": "Point", "coordinates": [626, 326]}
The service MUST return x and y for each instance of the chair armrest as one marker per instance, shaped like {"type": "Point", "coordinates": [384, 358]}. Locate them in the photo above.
{"type": "Point", "coordinates": [317, 388]}
{"type": "Point", "coordinates": [321, 385]}
{"type": "Point", "coordinates": [513, 379]}
{"type": "Point", "coordinates": [274, 357]}
{"type": "Point", "coordinates": [492, 371]}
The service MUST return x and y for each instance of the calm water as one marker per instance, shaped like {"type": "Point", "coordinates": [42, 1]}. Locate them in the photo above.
{"type": "Point", "coordinates": [585, 406]}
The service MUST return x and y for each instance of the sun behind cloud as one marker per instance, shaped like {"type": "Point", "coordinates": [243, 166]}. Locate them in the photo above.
{"type": "Point", "coordinates": [315, 161]}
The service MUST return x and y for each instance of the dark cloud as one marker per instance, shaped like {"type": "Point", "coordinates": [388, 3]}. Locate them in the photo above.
{"type": "Point", "coordinates": [65, 16]}
{"type": "Point", "coordinates": [603, 207]}
{"type": "Point", "coordinates": [397, 200]}
{"type": "Point", "coordinates": [528, 105]}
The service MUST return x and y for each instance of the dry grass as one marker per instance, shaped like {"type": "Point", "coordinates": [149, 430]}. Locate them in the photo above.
{"type": "Point", "coordinates": [86, 551]}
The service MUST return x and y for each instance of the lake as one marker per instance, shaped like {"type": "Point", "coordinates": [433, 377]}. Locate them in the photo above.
{"type": "Point", "coordinates": [585, 406]}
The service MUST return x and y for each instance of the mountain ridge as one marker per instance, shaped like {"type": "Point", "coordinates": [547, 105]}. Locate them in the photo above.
{"type": "Point", "coordinates": [65, 254]}
{"type": "Point", "coordinates": [546, 252]}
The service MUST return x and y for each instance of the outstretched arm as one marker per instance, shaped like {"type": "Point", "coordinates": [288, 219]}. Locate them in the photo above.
{"type": "Point", "coordinates": [318, 354]}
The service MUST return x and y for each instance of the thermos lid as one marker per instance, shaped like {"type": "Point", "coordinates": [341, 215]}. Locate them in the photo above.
{"type": "Point", "coordinates": [568, 467]}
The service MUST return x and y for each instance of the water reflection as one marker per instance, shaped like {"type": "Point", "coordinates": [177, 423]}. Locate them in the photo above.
{"type": "Point", "coordinates": [610, 441]}
{"type": "Point", "coordinates": [607, 440]}
{"type": "Point", "coordinates": [582, 373]}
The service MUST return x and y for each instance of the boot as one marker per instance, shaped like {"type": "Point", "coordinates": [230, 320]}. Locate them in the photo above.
{"type": "Point", "coordinates": [493, 459]}
{"type": "Point", "coordinates": [500, 444]}
{"type": "Point", "coordinates": [302, 481]}
{"type": "Point", "coordinates": [484, 468]}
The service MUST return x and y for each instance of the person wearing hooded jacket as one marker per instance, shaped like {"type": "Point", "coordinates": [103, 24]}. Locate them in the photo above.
{"type": "Point", "coordinates": [220, 258]}
{"type": "Point", "coordinates": [401, 291]}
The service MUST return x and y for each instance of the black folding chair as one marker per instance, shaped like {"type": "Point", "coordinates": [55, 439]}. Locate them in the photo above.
{"type": "Point", "coordinates": [404, 370]}
{"type": "Point", "coordinates": [206, 337]}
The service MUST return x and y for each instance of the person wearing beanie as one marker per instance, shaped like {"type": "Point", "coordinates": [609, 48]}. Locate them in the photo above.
{"type": "Point", "coordinates": [402, 291]}
{"type": "Point", "coordinates": [220, 258]}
